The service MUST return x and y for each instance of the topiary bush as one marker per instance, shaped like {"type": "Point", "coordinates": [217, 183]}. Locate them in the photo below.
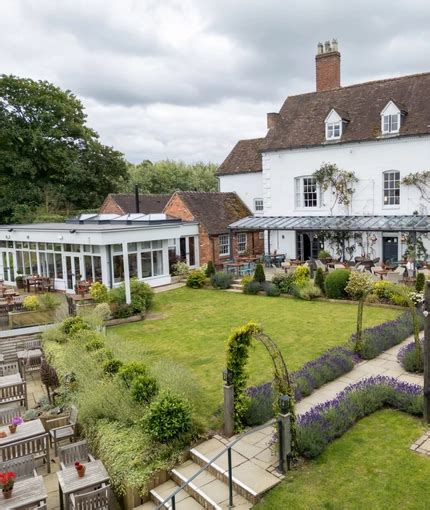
{"type": "Point", "coordinates": [196, 279]}
{"type": "Point", "coordinates": [336, 282]}
{"type": "Point", "coordinates": [301, 275]}
{"type": "Point", "coordinates": [259, 274]}
{"type": "Point", "coordinates": [168, 417]}
{"type": "Point", "coordinates": [421, 281]}
{"type": "Point", "coordinates": [359, 285]}
{"type": "Point", "coordinates": [283, 281]}
{"type": "Point", "coordinates": [143, 389]}
{"type": "Point", "coordinates": [253, 287]}
{"type": "Point", "coordinates": [320, 279]}
{"type": "Point", "coordinates": [221, 280]}
{"type": "Point", "coordinates": [210, 269]}
{"type": "Point", "coordinates": [111, 366]}
{"type": "Point", "coordinates": [129, 371]}
{"type": "Point", "coordinates": [99, 292]}
{"type": "Point", "coordinates": [142, 297]}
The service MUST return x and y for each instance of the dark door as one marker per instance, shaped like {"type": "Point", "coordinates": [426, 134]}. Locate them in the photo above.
{"type": "Point", "coordinates": [192, 251]}
{"type": "Point", "coordinates": [390, 249]}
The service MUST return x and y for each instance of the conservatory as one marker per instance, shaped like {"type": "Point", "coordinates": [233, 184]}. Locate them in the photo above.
{"type": "Point", "coordinates": [98, 247]}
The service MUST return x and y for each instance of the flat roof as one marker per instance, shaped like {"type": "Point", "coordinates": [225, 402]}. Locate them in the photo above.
{"type": "Point", "coordinates": [413, 223]}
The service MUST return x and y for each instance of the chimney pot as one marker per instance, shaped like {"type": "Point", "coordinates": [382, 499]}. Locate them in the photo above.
{"type": "Point", "coordinates": [272, 119]}
{"type": "Point", "coordinates": [327, 67]}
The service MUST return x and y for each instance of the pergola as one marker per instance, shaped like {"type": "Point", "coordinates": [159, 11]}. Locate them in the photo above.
{"type": "Point", "coordinates": [412, 225]}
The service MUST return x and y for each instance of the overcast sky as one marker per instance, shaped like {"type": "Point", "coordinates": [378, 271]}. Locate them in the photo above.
{"type": "Point", "coordinates": [186, 79]}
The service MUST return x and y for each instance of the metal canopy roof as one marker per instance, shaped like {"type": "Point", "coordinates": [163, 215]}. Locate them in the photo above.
{"type": "Point", "coordinates": [339, 223]}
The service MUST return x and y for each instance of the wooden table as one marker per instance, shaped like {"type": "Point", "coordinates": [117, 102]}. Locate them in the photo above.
{"type": "Point", "coordinates": [26, 430]}
{"type": "Point", "coordinates": [79, 297]}
{"type": "Point", "coordinates": [6, 380]}
{"type": "Point", "coordinates": [69, 481]}
{"type": "Point", "coordinates": [382, 272]}
{"type": "Point", "coordinates": [25, 492]}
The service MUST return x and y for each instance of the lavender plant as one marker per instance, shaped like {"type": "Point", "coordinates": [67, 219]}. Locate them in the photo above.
{"type": "Point", "coordinates": [408, 358]}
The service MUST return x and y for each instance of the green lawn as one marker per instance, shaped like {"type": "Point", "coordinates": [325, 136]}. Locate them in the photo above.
{"type": "Point", "coordinates": [370, 467]}
{"type": "Point", "coordinates": [198, 323]}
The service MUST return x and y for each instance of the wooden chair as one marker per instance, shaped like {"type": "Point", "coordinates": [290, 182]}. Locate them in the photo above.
{"type": "Point", "coordinates": [70, 453]}
{"type": "Point", "coordinates": [9, 368]}
{"type": "Point", "coordinates": [393, 277]}
{"type": "Point", "coordinates": [33, 344]}
{"type": "Point", "coordinates": [36, 446]}
{"type": "Point", "coordinates": [98, 499]}
{"type": "Point", "coordinates": [7, 413]}
{"type": "Point", "coordinates": [23, 467]}
{"type": "Point", "coordinates": [14, 393]}
{"type": "Point", "coordinates": [67, 431]}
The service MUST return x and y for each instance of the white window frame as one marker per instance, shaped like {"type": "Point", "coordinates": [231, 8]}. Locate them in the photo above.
{"type": "Point", "coordinates": [388, 121]}
{"type": "Point", "coordinates": [242, 242]}
{"type": "Point", "coordinates": [333, 130]}
{"type": "Point", "coordinates": [258, 205]}
{"type": "Point", "coordinates": [224, 245]}
{"type": "Point", "coordinates": [389, 188]}
{"type": "Point", "coordinates": [299, 188]}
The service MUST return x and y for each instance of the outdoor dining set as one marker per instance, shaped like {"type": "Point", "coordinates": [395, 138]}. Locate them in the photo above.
{"type": "Point", "coordinates": [83, 481]}
{"type": "Point", "coordinates": [10, 299]}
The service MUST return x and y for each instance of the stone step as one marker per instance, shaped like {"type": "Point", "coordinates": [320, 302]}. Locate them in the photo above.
{"type": "Point", "coordinates": [207, 489]}
{"type": "Point", "coordinates": [237, 286]}
{"type": "Point", "coordinates": [149, 505]}
{"type": "Point", "coordinates": [250, 480]}
{"type": "Point", "coordinates": [183, 501]}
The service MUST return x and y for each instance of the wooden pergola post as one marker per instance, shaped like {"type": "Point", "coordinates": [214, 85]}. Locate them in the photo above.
{"type": "Point", "coordinates": [427, 352]}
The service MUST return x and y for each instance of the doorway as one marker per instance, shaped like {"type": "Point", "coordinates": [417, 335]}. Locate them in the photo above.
{"type": "Point", "coordinates": [73, 271]}
{"type": "Point", "coordinates": [8, 269]}
{"type": "Point", "coordinates": [307, 245]}
{"type": "Point", "coordinates": [390, 249]}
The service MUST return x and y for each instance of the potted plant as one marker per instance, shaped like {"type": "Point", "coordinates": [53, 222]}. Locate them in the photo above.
{"type": "Point", "coordinates": [16, 420]}
{"type": "Point", "coordinates": [19, 280]}
{"type": "Point", "coordinates": [7, 479]}
{"type": "Point", "coordinates": [80, 469]}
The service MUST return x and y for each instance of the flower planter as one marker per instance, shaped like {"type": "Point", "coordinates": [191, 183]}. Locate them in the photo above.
{"type": "Point", "coordinates": [12, 429]}
{"type": "Point", "coordinates": [27, 318]}
{"type": "Point", "coordinates": [81, 471]}
{"type": "Point", "coordinates": [7, 494]}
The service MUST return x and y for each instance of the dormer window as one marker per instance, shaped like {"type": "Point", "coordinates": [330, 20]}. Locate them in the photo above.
{"type": "Point", "coordinates": [334, 125]}
{"type": "Point", "coordinates": [391, 119]}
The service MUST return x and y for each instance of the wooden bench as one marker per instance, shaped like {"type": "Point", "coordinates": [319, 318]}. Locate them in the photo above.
{"type": "Point", "coordinates": [14, 393]}
{"type": "Point", "coordinates": [37, 446]}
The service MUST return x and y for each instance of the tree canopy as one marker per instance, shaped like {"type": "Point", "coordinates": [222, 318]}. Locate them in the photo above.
{"type": "Point", "coordinates": [50, 160]}
{"type": "Point", "coordinates": [168, 176]}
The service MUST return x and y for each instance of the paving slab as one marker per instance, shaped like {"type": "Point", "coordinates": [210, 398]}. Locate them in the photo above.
{"type": "Point", "coordinates": [254, 477]}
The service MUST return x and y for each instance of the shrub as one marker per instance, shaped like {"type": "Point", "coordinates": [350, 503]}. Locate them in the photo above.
{"type": "Point", "coordinates": [142, 295]}
{"type": "Point", "coordinates": [408, 358]}
{"type": "Point", "coordinates": [283, 281]}
{"type": "Point", "coordinates": [272, 290]}
{"type": "Point", "coordinates": [103, 354]}
{"type": "Point", "coordinates": [383, 289]}
{"type": "Point", "coordinates": [48, 301]}
{"type": "Point", "coordinates": [359, 284]}
{"type": "Point", "coordinates": [73, 325]}
{"type": "Point", "coordinates": [259, 275]}
{"type": "Point", "coordinates": [94, 345]}
{"type": "Point", "coordinates": [131, 370]}
{"type": "Point", "coordinates": [221, 280]}
{"type": "Point", "coordinates": [324, 254]}
{"type": "Point", "coordinates": [196, 279]}
{"type": "Point", "coordinates": [143, 389]}
{"type": "Point", "coordinates": [122, 311]}
{"type": "Point", "coordinates": [325, 422]}
{"type": "Point", "coordinates": [101, 313]}
{"type": "Point", "coordinates": [399, 300]}
{"type": "Point", "coordinates": [210, 269]}
{"type": "Point", "coordinates": [252, 287]}
{"type": "Point", "coordinates": [168, 418]}
{"type": "Point", "coordinates": [180, 269]}
{"type": "Point", "coordinates": [245, 280]}
{"type": "Point", "coordinates": [320, 280]}
{"type": "Point", "coordinates": [111, 366]}
{"type": "Point", "coordinates": [379, 338]}
{"type": "Point", "coordinates": [54, 334]}
{"type": "Point", "coordinates": [336, 282]}
{"type": "Point", "coordinates": [301, 275]}
{"type": "Point", "coordinates": [307, 291]}
{"type": "Point", "coordinates": [260, 408]}
{"type": "Point", "coordinates": [421, 281]}
{"type": "Point", "coordinates": [31, 303]}
{"type": "Point", "coordinates": [99, 292]}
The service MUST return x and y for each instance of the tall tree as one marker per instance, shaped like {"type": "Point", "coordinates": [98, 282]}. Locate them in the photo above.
{"type": "Point", "coordinates": [49, 158]}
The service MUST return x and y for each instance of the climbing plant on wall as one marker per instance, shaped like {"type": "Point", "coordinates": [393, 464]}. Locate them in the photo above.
{"type": "Point", "coordinates": [339, 182]}
{"type": "Point", "coordinates": [421, 180]}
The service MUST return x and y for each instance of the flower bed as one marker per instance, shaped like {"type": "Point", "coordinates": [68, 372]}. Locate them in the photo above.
{"type": "Point", "coordinates": [408, 359]}
{"type": "Point", "coordinates": [327, 421]}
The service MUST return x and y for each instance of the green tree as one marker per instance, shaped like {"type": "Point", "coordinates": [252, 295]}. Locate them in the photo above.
{"type": "Point", "coordinates": [167, 176]}
{"type": "Point", "coordinates": [50, 160]}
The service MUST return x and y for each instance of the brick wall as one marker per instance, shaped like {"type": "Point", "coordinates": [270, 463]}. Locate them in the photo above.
{"type": "Point", "coordinates": [327, 71]}
{"type": "Point", "coordinates": [109, 206]}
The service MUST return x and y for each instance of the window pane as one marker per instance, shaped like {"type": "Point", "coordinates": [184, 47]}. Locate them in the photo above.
{"type": "Point", "coordinates": [58, 265]}
{"type": "Point", "coordinates": [392, 188]}
{"type": "Point", "coordinates": [96, 249]}
{"type": "Point", "coordinates": [157, 258]}
{"type": "Point", "coordinates": [156, 245]}
{"type": "Point", "coordinates": [97, 268]}
{"type": "Point", "coordinates": [146, 264]}
{"type": "Point", "coordinates": [224, 244]}
{"type": "Point", "coordinates": [117, 248]}
{"type": "Point", "coordinates": [241, 242]}
{"type": "Point", "coordinates": [88, 267]}
{"type": "Point", "coordinates": [51, 268]}
{"type": "Point", "coordinates": [132, 246]}
{"type": "Point", "coordinates": [132, 264]}
{"type": "Point", "coordinates": [118, 268]}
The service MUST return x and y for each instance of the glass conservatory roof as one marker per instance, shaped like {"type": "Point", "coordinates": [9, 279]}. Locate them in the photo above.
{"type": "Point", "coordinates": [340, 223]}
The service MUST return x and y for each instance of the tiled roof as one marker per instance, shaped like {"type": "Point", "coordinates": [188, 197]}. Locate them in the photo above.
{"type": "Point", "coordinates": [301, 118]}
{"type": "Point", "coordinates": [147, 203]}
{"type": "Point", "coordinates": [215, 211]}
{"type": "Point", "coordinates": [244, 158]}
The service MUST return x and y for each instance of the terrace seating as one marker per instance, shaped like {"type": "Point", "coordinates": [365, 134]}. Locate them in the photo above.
{"type": "Point", "coordinates": [33, 344]}
{"type": "Point", "coordinates": [23, 467]}
{"type": "Point", "coordinates": [14, 393]}
{"type": "Point", "coordinates": [97, 499]}
{"type": "Point", "coordinates": [68, 431]}
{"type": "Point", "coordinates": [7, 413]}
{"type": "Point", "coordinates": [9, 368]}
{"type": "Point", "coordinates": [35, 446]}
{"type": "Point", "coordinates": [70, 453]}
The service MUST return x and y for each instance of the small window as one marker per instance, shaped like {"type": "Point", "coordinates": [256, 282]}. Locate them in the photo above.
{"type": "Point", "coordinates": [261, 235]}
{"type": "Point", "coordinates": [258, 205]}
{"type": "Point", "coordinates": [224, 244]}
{"type": "Point", "coordinates": [241, 242]}
{"type": "Point", "coordinates": [391, 123]}
{"type": "Point", "coordinates": [307, 192]}
{"type": "Point", "coordinates": [392, 188]}
{"type": "Point", "coordinates": [333, 130]}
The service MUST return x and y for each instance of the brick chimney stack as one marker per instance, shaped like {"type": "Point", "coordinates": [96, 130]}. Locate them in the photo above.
{"type": "Point", "coordinates": [327, 65]}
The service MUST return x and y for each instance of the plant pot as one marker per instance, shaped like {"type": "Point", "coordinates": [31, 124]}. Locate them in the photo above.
{"type": "Point", "coordinates": [81, 472]}
{"type": "Point", "coordinates": [7, 494]}
{"type": "Point", "coordinates": [12, 429]}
